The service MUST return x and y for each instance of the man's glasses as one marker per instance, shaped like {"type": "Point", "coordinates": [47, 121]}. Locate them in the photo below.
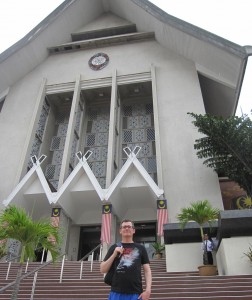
{"type": "Point", "coordinates": [127, 226]}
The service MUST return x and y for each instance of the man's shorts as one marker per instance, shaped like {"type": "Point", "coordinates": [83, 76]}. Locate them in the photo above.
{"type": "Point", "coordinates": [118, 296]}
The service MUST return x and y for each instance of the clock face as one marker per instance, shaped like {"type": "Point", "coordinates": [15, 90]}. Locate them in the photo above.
{"type": "Point", "coordinates": [98, 61]}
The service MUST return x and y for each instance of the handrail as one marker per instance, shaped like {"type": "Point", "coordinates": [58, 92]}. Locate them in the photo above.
{"type": "Point", "coordinates": [27, 262]}
{"type": "Point", "coordinates": [49, 262]}
{"type": "Point", "coordinates": [92, 258]}
{"type": "Point", "coordinates": [62, 268]}
{"type": "Point", "coordinates": [90, 252]}
{"type": "Point", "coordinates": [27, 274]}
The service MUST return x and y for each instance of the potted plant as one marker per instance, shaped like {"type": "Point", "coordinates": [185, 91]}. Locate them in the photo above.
{"type": "Point", "coordinates": [159, 248]}
{"type": "Point", "coordinates": [202, 213]}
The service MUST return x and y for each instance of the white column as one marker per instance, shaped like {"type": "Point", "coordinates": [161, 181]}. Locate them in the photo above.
{"type": "Point", "coordinates": [70, 132]}
{"type": "Point", "coordinates": [111, 139]}
{"type": "Point", "coordinates": [156, 125]}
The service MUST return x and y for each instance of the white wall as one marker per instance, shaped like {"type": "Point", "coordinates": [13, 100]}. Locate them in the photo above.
{"type": "Point", "coordinates": [230, 256]}
{"type": "Point", "coordinates": [178, 92]}
{"type": "Point", "coordinates": [74, 237]}
{"type": "Point", "coordinates": [184, 257]}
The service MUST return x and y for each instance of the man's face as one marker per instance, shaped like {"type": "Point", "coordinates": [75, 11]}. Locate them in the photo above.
{"type": "Point", "coordinates": [127, 229]}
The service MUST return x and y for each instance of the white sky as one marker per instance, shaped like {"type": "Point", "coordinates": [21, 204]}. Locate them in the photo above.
{"type": "Point", "coordinates": [230, 19]}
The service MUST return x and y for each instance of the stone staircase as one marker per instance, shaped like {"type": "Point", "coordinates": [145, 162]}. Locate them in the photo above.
{"type": "Point", "coordinates": [186, 285]}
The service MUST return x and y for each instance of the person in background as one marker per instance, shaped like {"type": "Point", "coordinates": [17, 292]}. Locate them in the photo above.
{"type": "Point", "coordinates": [207, 247]}
{"type": "Point", "coordinates": [127, 279]}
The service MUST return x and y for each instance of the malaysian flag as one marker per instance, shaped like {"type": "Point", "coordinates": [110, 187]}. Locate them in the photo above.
{"type": "Point", "coordinates": [106, 223]}
{"type": "Point", "coordinates": [55, 217]}
{"type": "Point", "coordinates": [162, 215]}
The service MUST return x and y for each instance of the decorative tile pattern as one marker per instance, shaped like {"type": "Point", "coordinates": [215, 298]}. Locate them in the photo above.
{"type": "Point", "coordinates": [138, 130]}
{"type": "Point", "coordinates": [97, 141]}
{"type": "Point", "coordinates": [39, 132]}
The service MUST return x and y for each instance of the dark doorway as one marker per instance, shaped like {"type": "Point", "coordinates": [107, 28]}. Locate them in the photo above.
{"type": "Point", "coordinates": [146, 234]}
{"type": "Point", "coordinates": [39, 255]}
{"type": "Point", "coordinates": [89, 239]}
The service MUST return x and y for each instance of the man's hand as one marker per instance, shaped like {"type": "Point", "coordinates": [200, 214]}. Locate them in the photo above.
{"type": "Point", "coordinates": [118, 251]}
{"type": "Point", "coordinates": [145, 295]}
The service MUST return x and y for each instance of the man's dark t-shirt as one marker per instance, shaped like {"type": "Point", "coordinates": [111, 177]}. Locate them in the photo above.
{"type": "Point", "coordinates": [127, 278]}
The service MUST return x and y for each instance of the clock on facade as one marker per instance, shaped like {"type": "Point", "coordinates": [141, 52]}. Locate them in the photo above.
{"type": "Point", "coordinates": [98, 61]}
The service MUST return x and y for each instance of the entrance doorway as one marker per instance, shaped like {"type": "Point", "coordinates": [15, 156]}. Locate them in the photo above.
{"type": "Point", "coordinates": [146, 235]}
{"type": "Point", "coordinates": [89, 239]}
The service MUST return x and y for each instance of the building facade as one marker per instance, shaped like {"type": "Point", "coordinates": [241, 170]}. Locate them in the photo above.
{"type": "Point", "coordinates": [94, 104]}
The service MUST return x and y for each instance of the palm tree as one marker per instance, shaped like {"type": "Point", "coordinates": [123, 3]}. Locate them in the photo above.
{"type": "Point", "coordinates": [200, 212]}
{"type": "Point", "coordinates": [16, 224]}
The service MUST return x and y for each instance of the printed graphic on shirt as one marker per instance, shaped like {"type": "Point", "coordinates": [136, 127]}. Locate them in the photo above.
{"type": "Point", "coordinates": [128, 258]}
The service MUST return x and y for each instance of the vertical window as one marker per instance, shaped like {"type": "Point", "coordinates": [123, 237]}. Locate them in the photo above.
{"type": "Point", "coordinates": [137, 124]}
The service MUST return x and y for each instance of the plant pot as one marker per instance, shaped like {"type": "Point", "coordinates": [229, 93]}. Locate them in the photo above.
{"type": "Point", "coordinates": [207, 270]}
{"type": "Point", "coordinates": [158, 255]}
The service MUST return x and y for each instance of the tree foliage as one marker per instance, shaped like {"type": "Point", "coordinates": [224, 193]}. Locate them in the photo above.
{"type": "Point", "coordinates": [226, 146]}
{"type": "Point", "coordinates": [16, 224]}
{"type": "Point", "coordinates": [200, 212]}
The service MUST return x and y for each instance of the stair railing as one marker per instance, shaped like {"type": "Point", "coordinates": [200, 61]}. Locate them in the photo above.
{"type": "Point", "coordinates": [62, 267]}
{"type": "Point", "coordinates": [35, 271]}
{"type": "Point", "coordinates": [9, 266]}
{"type": "Point", "coordinates": [90, 253]}
{"type": "Point", "coordinates": [10, 260]}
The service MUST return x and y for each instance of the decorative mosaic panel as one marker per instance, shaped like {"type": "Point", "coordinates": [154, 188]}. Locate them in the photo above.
{"type": "Point", "coordinates": [13, 247]}
{"type": "Point", "coordinates": [52, 171]}
{"type": "Point", "coordinates": [39, 132]}
{"type": "Point", "coordinates": [138, 130]}
{"type": "Point", "coordinates": [78, 121]}
{"type": "Point", "coordinates": [42, 120]}
{"type": "Point", "coordinates": [62, 117]}
{"type": "Point", "coordinates": [62, 129]}
{"type": "Point", "coordinates": [58, 143]}
{"type": "Point", "coordinates": [73, 158]}
{"type": "Point", "coordinates": [57, 157]}
{"type": "Point", "coordinates": [96, 140]}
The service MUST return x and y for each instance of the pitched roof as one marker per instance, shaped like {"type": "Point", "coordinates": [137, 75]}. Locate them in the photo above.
{"type": "Point", "coordinates": [220, 63]}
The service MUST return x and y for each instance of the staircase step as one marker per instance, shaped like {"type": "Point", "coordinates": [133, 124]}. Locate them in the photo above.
{"type": "Point", "coordinates": [166, 285]}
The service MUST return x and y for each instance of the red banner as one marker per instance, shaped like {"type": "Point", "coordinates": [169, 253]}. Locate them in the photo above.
{"type": "Point", "coordinates": [162, 216]}
{"type": "Point", "coordinates": [106, 223]}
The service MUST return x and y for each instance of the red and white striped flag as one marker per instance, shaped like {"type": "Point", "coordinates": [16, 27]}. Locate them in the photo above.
{"type": "Point", "coordinates": [106, 223]}
{"type": "Point", "coordinates": [162, 215]}
{"type": "Point", "coordinates": [55, 217]}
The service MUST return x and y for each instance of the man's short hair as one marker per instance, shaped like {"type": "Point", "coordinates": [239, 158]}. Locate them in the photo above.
{"type": "Point", "coordinates": [127, 220]}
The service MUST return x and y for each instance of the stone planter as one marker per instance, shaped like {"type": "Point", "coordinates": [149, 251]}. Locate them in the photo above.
{"type": "Point", "coordinates": [207, 270]}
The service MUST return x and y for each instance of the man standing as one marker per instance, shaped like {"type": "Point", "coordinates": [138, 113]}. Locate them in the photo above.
{"type": "Point", "coordinates": [128, 258]}
{"type": "Point", "coordinates": [207, 247]}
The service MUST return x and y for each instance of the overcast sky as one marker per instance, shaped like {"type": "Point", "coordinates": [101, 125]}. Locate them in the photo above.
{"type": "Point", "coordinates": [230, 19]}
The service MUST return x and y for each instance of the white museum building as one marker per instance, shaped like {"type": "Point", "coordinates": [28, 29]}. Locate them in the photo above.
{"type": "Point", "coordinates": [94, 106]}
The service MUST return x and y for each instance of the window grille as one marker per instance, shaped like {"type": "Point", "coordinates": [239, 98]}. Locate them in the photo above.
{"type": "Point", "coordinates": [138, 130]}
{"type": "Point", "coordinates": [39, 133]}
{"type": "Point", "coordinates": [58, 143]}
{"type": "Point", "coordinates": [97, 141]}
{"type": "Point", "coordinates": [52, 172]}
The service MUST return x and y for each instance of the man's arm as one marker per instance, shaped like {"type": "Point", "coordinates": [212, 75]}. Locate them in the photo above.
{"type": "Point", "coordinates": [148, 281]}
{"type": "Point", "coordinates": [105, 265]}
